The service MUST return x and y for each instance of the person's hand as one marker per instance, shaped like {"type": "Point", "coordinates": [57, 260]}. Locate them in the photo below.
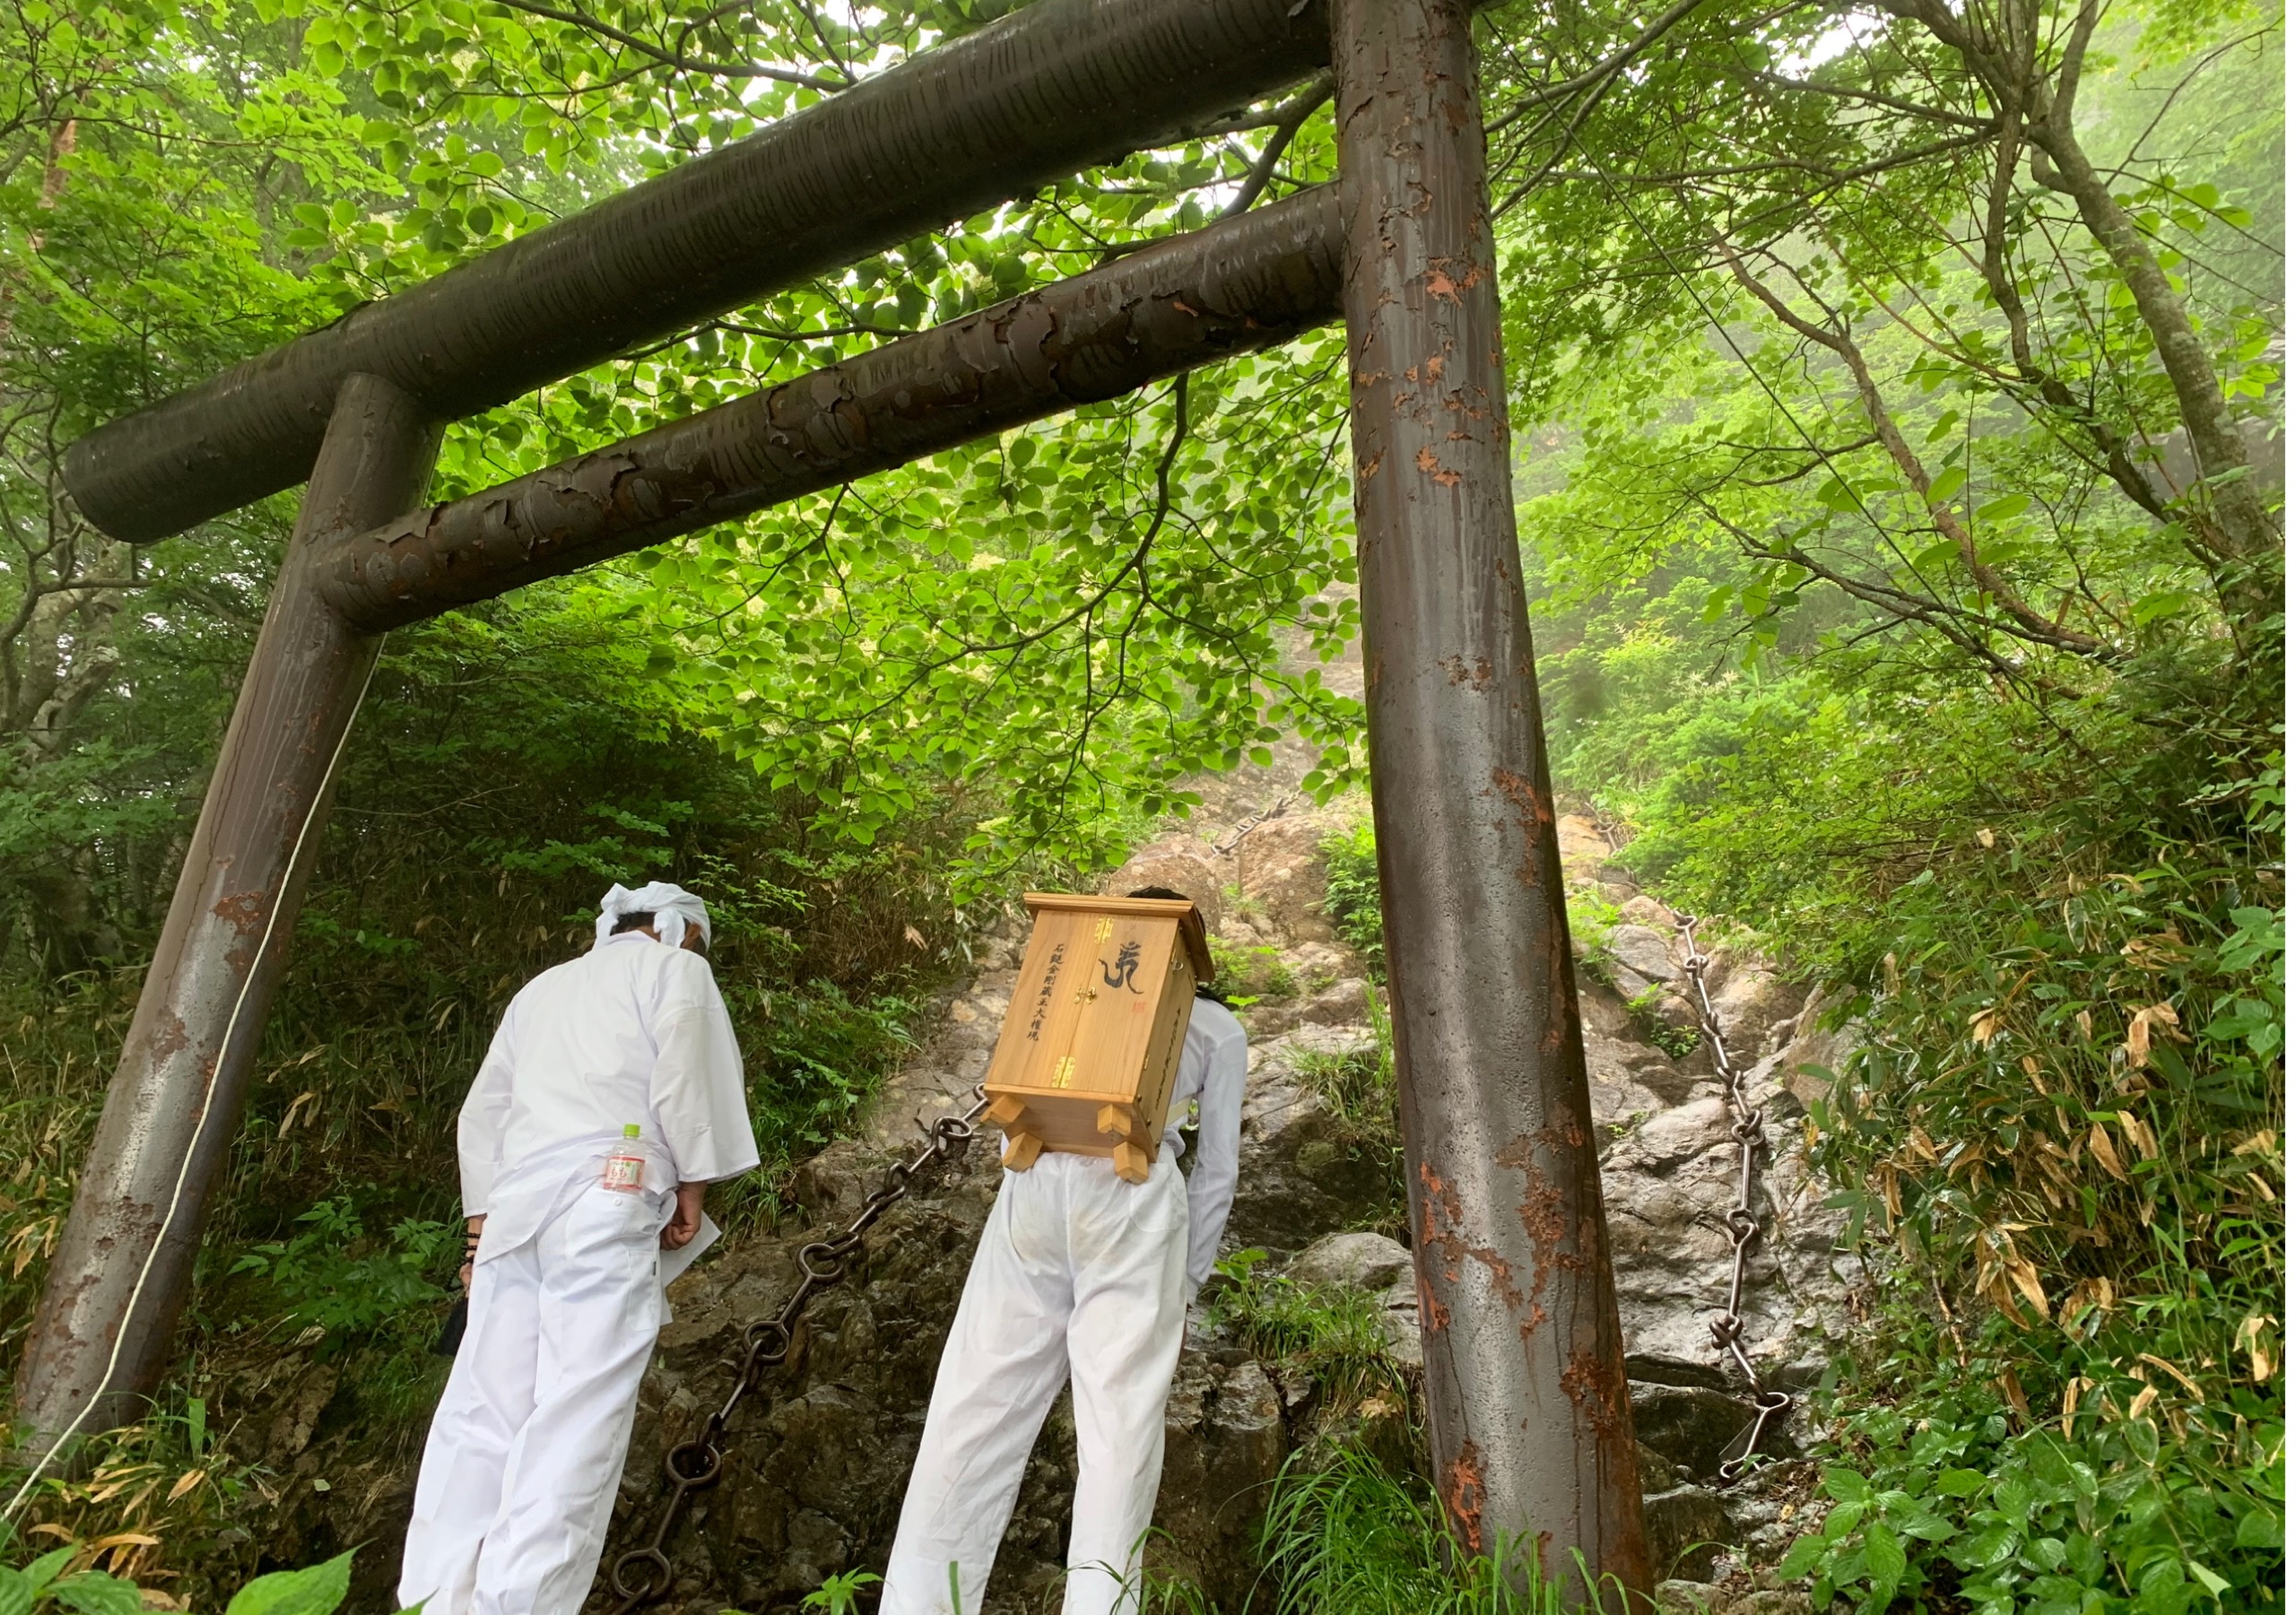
{"type": "Point", "coordinates": [472, 1228]}
{"type": "Point", "coordinates": [684, 1222]}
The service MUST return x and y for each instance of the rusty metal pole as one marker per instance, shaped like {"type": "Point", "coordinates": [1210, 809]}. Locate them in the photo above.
{"type": "Point", "coordinates": [104, 1333]}
{"type": "Point", "coordinates": [1527, 1411]}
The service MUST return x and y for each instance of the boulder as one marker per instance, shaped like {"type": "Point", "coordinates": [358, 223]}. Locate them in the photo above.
{"type": "Point", "coordinates": [1399, 1322]}
{"type": "Point", "coordinates": [1640, 960]}
{"type": "Point", "coordinates": [1225, 1440]}
{"type": "Point", "coordinates": [1812, 1056]}
{"type": "Point", "coordinates": [1648, 911]}
{"type": "Point", "coordinates": [1750, 998]}
{"type": "Point", "coordinates": [1341, 1003]}
{"type": "Point", "coordinates": [1667, 1185]}
{"type": "Point", "coordinates": [1302, 1169]}
{"type": "Point", "coordinates": [1694, 1425]}
{"type": "Point", "coordinates": [1356, 1260]}
{"type": "Point", "coordinates": [1280, 867]}
{"type": "Point", "coordinates": [1584, 848]}
{"type": "Point", "coordinates": [1677, 1597]}
{"type": "Point", "coordinates": [1688, 1530]}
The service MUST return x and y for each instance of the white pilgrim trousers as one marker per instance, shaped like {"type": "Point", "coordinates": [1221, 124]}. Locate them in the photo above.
{"type": "Point", "coordinates": [526, 1448]}
{"type": "Point", "coordinates": [1080, 1277]}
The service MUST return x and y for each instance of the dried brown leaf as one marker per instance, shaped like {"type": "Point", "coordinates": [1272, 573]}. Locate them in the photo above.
{"type": "Point", "coordinates": [2074, 1387]}
{"type": "Point", "coordinates": [2254, 1338]}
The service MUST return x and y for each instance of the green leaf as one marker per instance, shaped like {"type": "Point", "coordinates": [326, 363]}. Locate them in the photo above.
{"type": "Point", "coordinates": [48, 1566]}
{"type": "Point", "coordinates": [314, 1590]}
{"type": "Point", "coordinates": [2162, 1589]}
{"type": "Point", "coordinates": [1946, 484]}
{"type": "Point", "coordinates": [2004, 507]}
{"type": "Point", "coordinates": [1960, 1483]}
{"type": "Point", "coordinates": [1885, 1559]}
{"type": "Point", "coordinates": [93, 1592]}
{"type": "Point", "coordinates": [2216, 1585]}
{"type": "Point", "coordinates": [1802, 1556]}
{"type": "Point", "coordinates": [16, 1593]}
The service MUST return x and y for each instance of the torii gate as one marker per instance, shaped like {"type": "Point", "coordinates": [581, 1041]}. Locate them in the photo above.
{"type": "Point", "coordinates": [1529, 1421]}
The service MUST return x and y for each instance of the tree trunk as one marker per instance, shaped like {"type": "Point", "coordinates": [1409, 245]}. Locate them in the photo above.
{"type": "Point", "coordinates": [1529, 1423]}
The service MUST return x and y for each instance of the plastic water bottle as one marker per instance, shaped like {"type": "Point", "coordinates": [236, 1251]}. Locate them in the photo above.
{"type": "Point", "coordinates": [625, 1172]}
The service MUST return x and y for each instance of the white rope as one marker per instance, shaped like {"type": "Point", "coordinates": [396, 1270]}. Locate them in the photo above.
{"type": "Point", "coordinates": [206, 1101]}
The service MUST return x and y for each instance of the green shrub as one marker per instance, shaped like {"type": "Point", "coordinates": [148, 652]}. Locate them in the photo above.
{"type": "Point", "coordinates": [64, 1578]}
{"type": "Point", "coordinates": [1351, 893]}
{"type": "Point", "coordinates": [1344, 1536]}
{"type": "Point", "coordinates": [1333, 1334]}
{"type": "Point", "coordinates": [1247, 976]}
{"type": "Point", "coordinates": [1945, 1497]}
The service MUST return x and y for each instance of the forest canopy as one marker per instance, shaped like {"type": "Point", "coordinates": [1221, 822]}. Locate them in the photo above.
{"type": "Point", "coordinates": [1897, 397]}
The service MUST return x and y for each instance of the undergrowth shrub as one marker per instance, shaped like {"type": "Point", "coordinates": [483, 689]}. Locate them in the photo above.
{"type": "Point", "coordinates": [1332, 1333]}
{"type": "Point", "coordinates": [2060, 1142]}
{"type": "Point", "coordinates": [1346, 1535]}
{"type": "Point", "coordinates": [1351, 893]}
{"type": "Point", "coordinates": [69, 1578]}
{"type": "Point", "coordinates": [1248, 975]}
{"type": "Point", "coordinates": [509, 764]}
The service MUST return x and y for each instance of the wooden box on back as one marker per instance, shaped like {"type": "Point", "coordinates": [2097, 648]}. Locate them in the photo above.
{"type": "Point", "coordinates": [1091, 1044]}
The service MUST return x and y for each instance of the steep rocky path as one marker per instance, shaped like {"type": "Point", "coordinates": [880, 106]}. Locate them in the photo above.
{"type": "Point", "coordinates": [813, 1481]}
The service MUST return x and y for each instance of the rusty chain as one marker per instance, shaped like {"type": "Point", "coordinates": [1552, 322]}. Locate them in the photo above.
{"type": "Point", "coordinates": [694, 1464]}
{"type": "Point", "coordinates": [1746, 1126]}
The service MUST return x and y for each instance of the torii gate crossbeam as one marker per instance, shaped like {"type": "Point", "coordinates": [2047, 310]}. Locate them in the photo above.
{"type": "Point", "coordinates": [1530, 1428]}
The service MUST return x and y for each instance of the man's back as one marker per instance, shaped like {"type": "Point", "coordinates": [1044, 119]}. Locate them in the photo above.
{"type": "Point", "coordinates": [628, 1032]}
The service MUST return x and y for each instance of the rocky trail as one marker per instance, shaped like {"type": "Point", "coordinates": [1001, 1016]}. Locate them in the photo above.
{"type": "Point", "coordinates": [815, 1468]}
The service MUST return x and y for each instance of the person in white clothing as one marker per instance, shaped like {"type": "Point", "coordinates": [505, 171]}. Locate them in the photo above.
{"type": "Point", "coordinates": [1083, 1278]}
{"type": "Point", "coordinates": [611, 1097]}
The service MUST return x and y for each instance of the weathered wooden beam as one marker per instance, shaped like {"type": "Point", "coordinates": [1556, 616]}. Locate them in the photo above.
{"type": "Point", "coordinates": [1527, 1414]}
{"type": "Point", "coordinates": [1058, 86]}
{"type": "Point", "coordinates": [105, 1331]}
{"type": "Point", "coordinates": [1250, 282]}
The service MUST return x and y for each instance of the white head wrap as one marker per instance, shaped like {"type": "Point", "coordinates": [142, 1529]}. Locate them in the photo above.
{"type": "Point", "coordinates": [673, 909]}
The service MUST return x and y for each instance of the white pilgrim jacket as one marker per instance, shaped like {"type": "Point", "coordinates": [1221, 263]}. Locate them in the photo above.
{"type": "Point", "coordinates": [631, 1031]}
{"type": "Point", "coordinates": [1214, 1061]}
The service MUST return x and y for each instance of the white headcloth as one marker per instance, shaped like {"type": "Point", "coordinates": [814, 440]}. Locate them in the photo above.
{"type": "Point", "coordinates": [673, 909]}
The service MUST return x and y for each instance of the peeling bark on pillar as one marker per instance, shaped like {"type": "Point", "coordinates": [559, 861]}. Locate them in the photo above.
{"type": "Point", "coordinates": [1529, 1421]}
{"type": "Point", "coordinates": [104, 1334]}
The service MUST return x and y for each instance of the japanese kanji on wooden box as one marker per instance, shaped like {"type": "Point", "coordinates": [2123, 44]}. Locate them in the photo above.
{"type": "Point", "coordinates": [1091, 1044]}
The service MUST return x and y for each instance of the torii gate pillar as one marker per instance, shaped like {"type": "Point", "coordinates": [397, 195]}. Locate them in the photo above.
{"type": "Point", "coordinates": [105, 1331]}
{"type": "Point", "coordinates": [1528, 1418]}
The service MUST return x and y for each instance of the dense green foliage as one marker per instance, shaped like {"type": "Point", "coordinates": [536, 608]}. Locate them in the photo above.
{"type": "Point", "coordinates": [512, 764]}
{"type": "Point", "coordinates": [1882, 611]}
{"type": "Point", "coordinates": [64, 1578]}
{"type": "Point", "coordinates": [1352, 894]}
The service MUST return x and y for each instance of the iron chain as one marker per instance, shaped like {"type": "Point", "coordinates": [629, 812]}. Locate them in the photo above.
{"type": "Point", "coordinates": [643, 1576]}
{"type": "Point", "coordinates": [1746, 1125]}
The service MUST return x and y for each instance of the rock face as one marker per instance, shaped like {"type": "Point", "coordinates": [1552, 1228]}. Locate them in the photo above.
{"type": "Point", "coordinates": [815, 1468]}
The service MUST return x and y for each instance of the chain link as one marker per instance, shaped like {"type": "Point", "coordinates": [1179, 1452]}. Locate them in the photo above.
{"type": "Point", "coordinates": [643, 1576]}
{"type": "Point", "coordinates": [1747, 1118]}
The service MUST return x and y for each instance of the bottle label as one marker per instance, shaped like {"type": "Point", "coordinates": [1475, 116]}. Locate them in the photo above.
{"type": "Point", "coordinates": [625, 1174]}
